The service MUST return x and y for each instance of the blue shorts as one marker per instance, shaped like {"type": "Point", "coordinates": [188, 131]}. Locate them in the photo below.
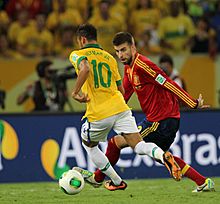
{"type": "Point", "coordinates": [161, 133]}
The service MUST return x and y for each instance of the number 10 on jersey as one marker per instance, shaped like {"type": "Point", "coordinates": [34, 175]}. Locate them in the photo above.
{"type": "Point", "coordinates": [99, 70]}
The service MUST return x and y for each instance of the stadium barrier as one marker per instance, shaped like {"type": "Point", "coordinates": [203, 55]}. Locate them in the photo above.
{"type": "Point", "coordinates": [39, 147]}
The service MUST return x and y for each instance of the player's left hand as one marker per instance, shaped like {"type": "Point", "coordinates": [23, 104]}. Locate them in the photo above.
{"type": "Point", "coordinates": [201, 102]}
{"type": "Point", "coordinates": [82, 98]}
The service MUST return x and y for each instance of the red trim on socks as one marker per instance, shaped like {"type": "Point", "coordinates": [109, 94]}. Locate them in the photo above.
{"type": "Point", "coordinates": [112, 153]}
{"type": "Point", "coordinates": [190, 173]}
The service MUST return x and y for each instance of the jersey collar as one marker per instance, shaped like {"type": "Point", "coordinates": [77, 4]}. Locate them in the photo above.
{"type": "Point", "coordinates": [135, 59]}
{"type": "Point", "coordinates": [92, 46]}
{"type": "Point", "coordinates": [132, 66]}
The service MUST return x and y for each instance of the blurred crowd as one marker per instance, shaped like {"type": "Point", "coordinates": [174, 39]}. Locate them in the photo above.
{"type": "Point", "coordinates": [36, 28]}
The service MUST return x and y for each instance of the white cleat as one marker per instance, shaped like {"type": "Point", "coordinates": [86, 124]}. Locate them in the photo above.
{"type": "Point", "coordinates": [208, 186]}
{"type": "Point", "coordinates": [88, 177]}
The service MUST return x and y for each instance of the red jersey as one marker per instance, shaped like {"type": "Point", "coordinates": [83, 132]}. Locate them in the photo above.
{"type": "Point", "coordinates": [157, 93]}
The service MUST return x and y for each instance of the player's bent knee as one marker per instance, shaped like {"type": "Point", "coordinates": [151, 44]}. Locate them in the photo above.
{"type": "Point", "coordinates": [132, 139]}
{"type": "Point", "coordinates": [89, 144]}
{"type": "Point", "coordinates": [120, 141]}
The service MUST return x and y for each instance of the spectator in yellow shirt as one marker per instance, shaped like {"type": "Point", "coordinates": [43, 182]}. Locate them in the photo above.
{"type": "Point", "coordinates": [5, 51]}
{"type": "Point", "coordinates": [63, 17]}
{"type": "Point", "coordinates": [23, 21]}
{"type": "Point", "coordinates": [106, 25]}
{"type": "Point", "coordinates": [144, 17]}
{"type": "Point", "coordinates": [162, 5]}
{"type": "Point", "coordinates": [176, 30]}
{"type": "Point", "coordinates": [81, 5]}
{"type": "Point", "coordinates": [36, 41]}
{"type": "Point", "coordinates": [119, 11]}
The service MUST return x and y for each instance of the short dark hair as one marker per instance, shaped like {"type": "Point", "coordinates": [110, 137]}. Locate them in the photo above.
{"type": "Point", "coordinates": [105, 1]}
{"type": "Point", "coordinates": [166, 58]}
{"type": "Point", "coordinates": [88, 31]}
{"type": "Point", "coordinates": [41, 66]}
{"type": "Point", "coordinates": [122, 37]}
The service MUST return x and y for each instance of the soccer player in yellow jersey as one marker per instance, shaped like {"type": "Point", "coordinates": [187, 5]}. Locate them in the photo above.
{"type": "Point", "coordinates": [98, 84]}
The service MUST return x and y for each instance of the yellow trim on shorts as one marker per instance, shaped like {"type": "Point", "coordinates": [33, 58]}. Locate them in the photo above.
{"type": "Point", "coordinates": [150, 129]}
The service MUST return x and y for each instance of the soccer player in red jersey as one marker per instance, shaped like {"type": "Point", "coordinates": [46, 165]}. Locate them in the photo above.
{"type": "Point", "coordinates": [159, 99]}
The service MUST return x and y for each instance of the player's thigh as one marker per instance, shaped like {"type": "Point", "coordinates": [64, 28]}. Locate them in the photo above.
{"type": "Point", "coordinates": [96, 131]}
{"type": "Point", "coordinates": [125, 125]}
{"type": "Point", "coordinates": [161, 133]}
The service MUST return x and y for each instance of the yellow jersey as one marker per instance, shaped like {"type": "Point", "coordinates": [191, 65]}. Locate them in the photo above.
{"type": "Point", "coordinates": [144, 19]}
{"type": "Point", "coordinates": [33, 41]}
{"type": "Point", "coordinates": [176, 31]}
{"type": "Point", "coordinates": [101, 84]}
{"type": "Point", "coordinates": [69, 17]}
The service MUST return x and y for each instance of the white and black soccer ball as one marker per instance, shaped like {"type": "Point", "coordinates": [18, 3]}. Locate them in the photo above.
{"type": "Point", "coordinates": [71, 182]}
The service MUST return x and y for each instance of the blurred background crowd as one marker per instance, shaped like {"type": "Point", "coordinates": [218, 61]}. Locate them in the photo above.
{"type": "Point", "coordinates": [33, 28]}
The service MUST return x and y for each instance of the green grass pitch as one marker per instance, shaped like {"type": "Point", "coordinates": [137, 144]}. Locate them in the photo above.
{"type": "Point", "coordinates": [150, 191]}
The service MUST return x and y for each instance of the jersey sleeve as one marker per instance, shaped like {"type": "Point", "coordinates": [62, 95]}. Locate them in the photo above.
{"type": "Point", "coordinates": [180, 93]}
{"type": "Point", "coordinates": [160, 78]}
{"type": "Point", "coordinates": [128, 88]}
{"type": "Point", "coordinates": [75, 59]}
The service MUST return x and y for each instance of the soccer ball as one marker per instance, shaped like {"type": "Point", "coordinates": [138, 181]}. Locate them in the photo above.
{"type": "Point", "coordinates": [71, 182]}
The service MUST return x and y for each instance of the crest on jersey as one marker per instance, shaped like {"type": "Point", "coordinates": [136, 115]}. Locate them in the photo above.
{"type": "Point", "coordinates": [75, 57]}
{"type": "Point", "coordinates": [136, 79]}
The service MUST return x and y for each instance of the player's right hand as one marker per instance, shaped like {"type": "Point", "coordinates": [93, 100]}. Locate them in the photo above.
{"type": "Point", "coordinates": [201, 102]}
{"type": "Point", "coordinates": [82, 98]}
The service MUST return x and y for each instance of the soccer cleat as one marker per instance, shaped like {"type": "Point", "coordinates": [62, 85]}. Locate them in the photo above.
{"type": "Point", "coordinates": [206, 187]}
{"type": "Point", "coordinates": [112, 187]}
{"type": "Point", "coordinates": [88, 176]}
{"type": "Point", "coordinates": [172, 166]}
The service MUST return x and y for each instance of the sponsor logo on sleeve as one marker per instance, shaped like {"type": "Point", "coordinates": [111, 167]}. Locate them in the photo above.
{"type": "Point", "coordinates": [160, 79]}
